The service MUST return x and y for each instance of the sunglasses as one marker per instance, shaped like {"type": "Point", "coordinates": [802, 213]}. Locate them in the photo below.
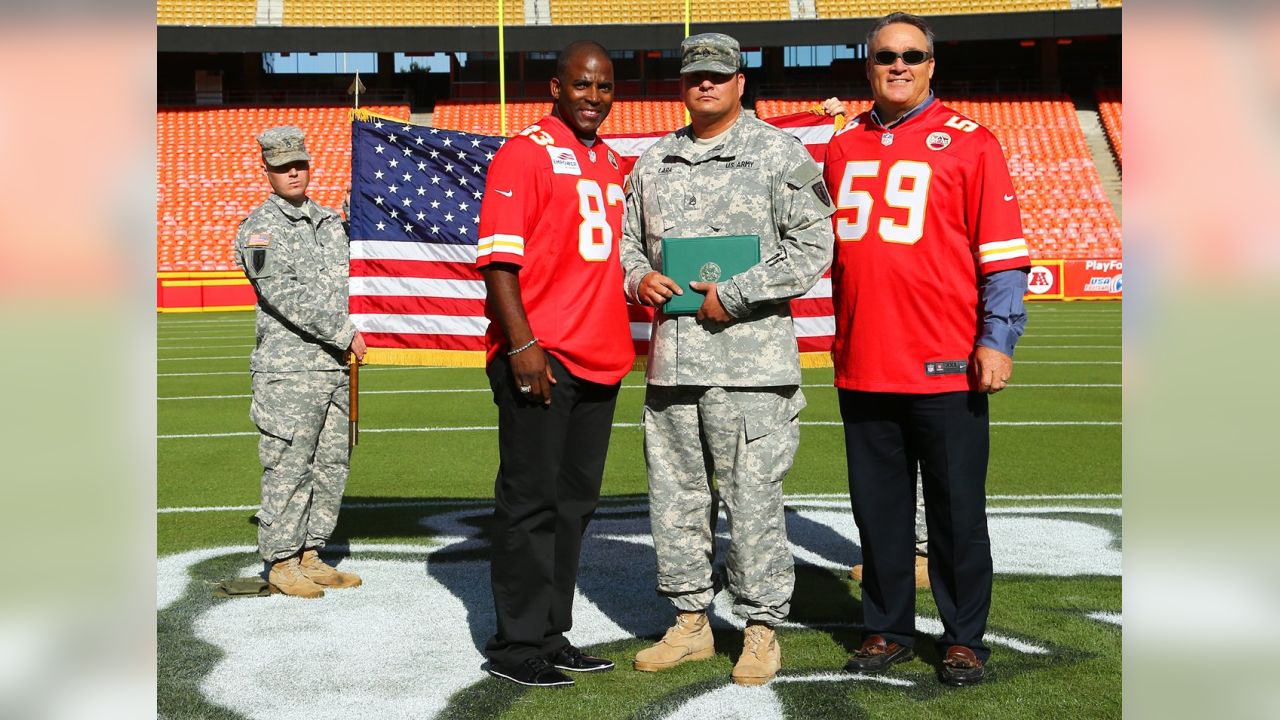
{"type": "Point", "coordinates": [910, 57]}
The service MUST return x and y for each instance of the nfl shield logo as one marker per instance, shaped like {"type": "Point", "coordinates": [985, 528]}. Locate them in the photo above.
{"type": "Point", "coordinates": [886, 139]}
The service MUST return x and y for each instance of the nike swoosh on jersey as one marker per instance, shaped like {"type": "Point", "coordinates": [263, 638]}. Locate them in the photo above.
{"type": "Point", "coordinates": [508, 193]}
{"type": "Point", "coordinates": [1007, 198]}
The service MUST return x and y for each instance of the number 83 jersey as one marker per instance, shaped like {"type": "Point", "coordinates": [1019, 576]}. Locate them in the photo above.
{"type": "Point", "coordinates": [553, 209]}
{"type": "Point", "coordinates": [923, 210]}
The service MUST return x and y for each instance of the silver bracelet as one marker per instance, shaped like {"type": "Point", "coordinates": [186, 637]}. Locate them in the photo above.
{"type": "Point", "coordinates": [523, 347]}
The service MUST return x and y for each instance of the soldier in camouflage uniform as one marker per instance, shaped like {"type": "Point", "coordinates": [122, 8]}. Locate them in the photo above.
{"type": "Point", "coordinates": [296, 253]}
{"type": "Point", "coordinates": [721, 413]}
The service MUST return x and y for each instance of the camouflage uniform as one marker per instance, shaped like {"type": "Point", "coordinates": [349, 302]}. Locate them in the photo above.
{"type": "Point", "coordinates": [297, 260]}
{"type": "Point", "coordinates": [724, 400]}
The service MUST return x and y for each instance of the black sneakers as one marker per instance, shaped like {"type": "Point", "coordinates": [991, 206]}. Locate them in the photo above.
{"type": "Point", "coordinates": [571, 658]}
{"type": "Point", "coordinates": [534, 672]}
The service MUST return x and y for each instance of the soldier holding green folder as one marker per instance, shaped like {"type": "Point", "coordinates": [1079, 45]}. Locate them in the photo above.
{"type": "Point", "coordinates": [723, 400]}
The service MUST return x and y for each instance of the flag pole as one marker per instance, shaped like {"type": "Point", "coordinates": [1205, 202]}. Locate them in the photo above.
{"type": "Point", "coordinates": [687, 119]}
{"type": "Point", "coordinates": [502, 70]}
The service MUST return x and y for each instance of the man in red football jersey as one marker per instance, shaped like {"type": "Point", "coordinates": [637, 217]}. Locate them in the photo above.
{"type": "Point", "coordinates": [559, 344]}
{"type": "Point", "coordinates": [927, 285]}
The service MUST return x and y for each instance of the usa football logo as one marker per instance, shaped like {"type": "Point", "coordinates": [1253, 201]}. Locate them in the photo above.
{"type": "Point", "coordinates": [937, 140]}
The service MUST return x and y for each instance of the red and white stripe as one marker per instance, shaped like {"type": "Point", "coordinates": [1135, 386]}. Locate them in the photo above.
{"type": "Point", "coordinates": [423, 296]}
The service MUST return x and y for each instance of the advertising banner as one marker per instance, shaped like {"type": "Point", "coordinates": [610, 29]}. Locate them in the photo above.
{"type": "Point", "coordinates": [1097, 279]}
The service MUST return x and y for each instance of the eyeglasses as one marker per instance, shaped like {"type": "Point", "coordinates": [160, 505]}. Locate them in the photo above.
{"type": "Point", "coordinates": [910, 57]}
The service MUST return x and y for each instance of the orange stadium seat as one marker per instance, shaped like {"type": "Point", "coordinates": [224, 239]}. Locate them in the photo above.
{"type": "Point", "coordinates": [1109, 111]}
{"type": "Point", "coordinates": [399, 12]}
{"type": "Point", "coordinates": [627, 116]}
{"type": "Point", "coordinates": [589, 12]}
{"type": "Point", "coordinates": [208, 174]}
{"type": "Point", "coordinates": [1065, 211]}
{"type": "Point", "coordinates": [878, 8]}
{"type": "Point", "coordinates": [206, 12]}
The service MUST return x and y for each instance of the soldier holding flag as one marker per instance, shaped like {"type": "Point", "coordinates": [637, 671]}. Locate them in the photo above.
{"type": "Point", "coordinates": [295, 254]}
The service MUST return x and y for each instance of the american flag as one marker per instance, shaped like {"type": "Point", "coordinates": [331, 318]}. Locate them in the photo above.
{"type": "Point", "coordinates": [415, 208]}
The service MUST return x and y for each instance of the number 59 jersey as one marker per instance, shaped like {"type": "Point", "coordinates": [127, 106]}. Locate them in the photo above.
{"type": "Point", "coordinates": [553, 209]}
{"type": "Point", "coordinates": [923, 210]}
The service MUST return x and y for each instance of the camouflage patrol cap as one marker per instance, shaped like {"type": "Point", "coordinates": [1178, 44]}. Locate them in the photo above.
{"type": "Point", "coordinates": [710, 52]}
{"type": "Point", "coordinates": [283, 145]}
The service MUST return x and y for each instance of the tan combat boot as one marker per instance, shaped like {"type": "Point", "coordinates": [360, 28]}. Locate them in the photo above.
{"type": "Point", "coordinates": [689, 639]}
{"type": "Point", "coordinates": [287, 578]}
{"type": "Point", "coordinates": [922, 572]}
{"type": "Point", "coordinates": [321, 573]}
{"type": "Point", "coordinates": [761, 657]}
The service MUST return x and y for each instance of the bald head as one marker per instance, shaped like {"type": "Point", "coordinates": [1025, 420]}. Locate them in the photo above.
{"type": "Point", "coordinates": [578, 48]}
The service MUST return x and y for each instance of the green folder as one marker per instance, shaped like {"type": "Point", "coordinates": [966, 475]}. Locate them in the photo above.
{"type": "Point", "coordinates": [704, 259]}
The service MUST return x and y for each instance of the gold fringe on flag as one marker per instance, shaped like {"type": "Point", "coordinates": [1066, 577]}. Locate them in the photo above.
{"type": "Point", "coordinates": [433, 358]}
{"type": "Point", "coordinates": [815, 360]}
{"type": "Point", "coordinates": [367, 115]}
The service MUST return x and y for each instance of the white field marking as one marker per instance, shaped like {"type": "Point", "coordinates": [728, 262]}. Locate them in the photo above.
{"type": "Point", "coordinates": [442, 391]}
{"type": "Point", "coordinates": [1054, 326]}
{"type": "Point", "coordinates": [207, 357]}
{"type": "Point", "coordinates": [994, 423]}
{"type": "Point", "coordinates": [179, 336]}
{"type": "Point", "coordinates": [1063, 385]}
{"type": "Point", "coordinates": [494, 428]}
{"type": "Point", "coordinates": [363, 369]}
{"type": "Point", "coordinates": [843, 677]}
{"type": "Point", "coordinates": [200, 347]}
{"type": "Point", "coordinates": [1027, 510]}
{"type": "Point", "coordinates": [226, 321]}
{"type": "Point", "coordinates": [1068, 362]}
{"type": "Point", "coordinates": [1107, 617]}
{"type": "Point", "coordinates": [609, 509]}
{"type": "Point", "coordinates": [446, 391]}
{"type": "Point", "coordinates": [1066, 347]}
{"type": "Point", "coordinates": [731, 702]}
{"type": "Point", "coordinates": [1037, 336]}
{"type": "Point", "coordinates": [934, 626]}
{"type": "Point", "coordinates": [1083, 310]}
{"type": "Point", "coordinates": [201, 374]}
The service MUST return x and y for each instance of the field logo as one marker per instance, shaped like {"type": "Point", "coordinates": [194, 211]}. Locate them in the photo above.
{"type": "Point", "coordinates": [1039, 280]}
{"type": "Point", "coordinates": [409, 642]}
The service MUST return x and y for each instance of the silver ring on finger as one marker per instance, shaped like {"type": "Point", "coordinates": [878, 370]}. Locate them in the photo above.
{"type": "Point", "coordinates": [526, 389]}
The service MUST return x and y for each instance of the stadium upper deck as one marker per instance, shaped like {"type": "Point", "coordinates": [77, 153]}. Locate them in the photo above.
{"type": "Point", "coordinates": [409, 13]}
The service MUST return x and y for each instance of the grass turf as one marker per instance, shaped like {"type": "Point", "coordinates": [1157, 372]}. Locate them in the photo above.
{"type": "Point", "coordinates": [413, 460]}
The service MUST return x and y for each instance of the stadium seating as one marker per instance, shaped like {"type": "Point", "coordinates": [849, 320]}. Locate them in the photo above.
{"type": "Point", "coordinates": [1065, 211]}
{"type": "Point", "coordinates": [1109, 111]}
{"type": "Point", "coordinates": [206, 12]}
{"type": "Point", "coordinates": [209, 175]}
{"type": "Point", "coordinates": [878, 8]}
{"type": "Point", "coordinates": [592, 12]}
{"type": "Point", "coordinates": [399, 12]}
{"type": "Point", "coordinates": [627, 116]}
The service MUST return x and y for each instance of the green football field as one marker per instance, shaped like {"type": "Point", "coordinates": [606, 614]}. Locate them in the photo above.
{"type": "Point", "coordinates": [407, 643]}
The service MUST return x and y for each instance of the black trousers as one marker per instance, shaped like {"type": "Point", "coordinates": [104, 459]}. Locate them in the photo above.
{"type": "Point", "coordinates": [886, 434]}
{"type": "Point", "coordinates": [548, 485]}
